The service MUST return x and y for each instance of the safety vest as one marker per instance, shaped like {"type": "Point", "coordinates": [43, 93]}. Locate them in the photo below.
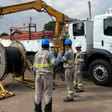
{"type": "Point", "coordinates": [69, 63]}
{"type": "Point", "coordinates": [42, 63]}
{"type": "Point", "coordinates": [77, 58]}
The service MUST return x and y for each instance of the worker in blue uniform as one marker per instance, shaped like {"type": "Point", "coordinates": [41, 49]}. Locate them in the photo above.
{"type": "Point", "coordinates": [68, 60]}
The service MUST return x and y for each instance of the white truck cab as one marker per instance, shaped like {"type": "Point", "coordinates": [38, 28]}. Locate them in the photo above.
{"type": "Point", "coordinates": [103, 32]}
{"type": "Point", "coordinates": [96, 39]}
{"type": "Point", "coordinates": [79, 33]}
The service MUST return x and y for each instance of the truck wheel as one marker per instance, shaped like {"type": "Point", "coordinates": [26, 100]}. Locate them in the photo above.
{"type": "Point", "coordinates": [100, 72]}
{"type": "Point", "coordinates": [31, 59]}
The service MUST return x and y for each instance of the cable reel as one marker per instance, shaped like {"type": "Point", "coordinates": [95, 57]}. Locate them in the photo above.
{"type": "Point", "coordinates": [12, 60]}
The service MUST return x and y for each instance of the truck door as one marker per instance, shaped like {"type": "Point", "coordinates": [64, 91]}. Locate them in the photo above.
{"type": "Point", "coordinates": [77, 34]}
{"type": "Point", "coordinates": [106, 38]}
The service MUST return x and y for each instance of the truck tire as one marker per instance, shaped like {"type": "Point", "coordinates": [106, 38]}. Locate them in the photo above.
{"type": "Point", "coordinates": [100, 72]}
{"type": "Point", "coordinates": [31, 59]}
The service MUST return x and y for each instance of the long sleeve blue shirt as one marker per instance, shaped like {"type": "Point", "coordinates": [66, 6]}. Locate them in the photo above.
{"type": "Point", "coordinates": [81, 63]}
{"type": "Point", "coordinates": [67, 56]}
{"type": "Point", "coordinates": [57, 60]}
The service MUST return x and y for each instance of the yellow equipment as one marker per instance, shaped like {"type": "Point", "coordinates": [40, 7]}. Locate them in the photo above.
{"type": "Point", "coordinates": [30, 83]}
{"type": "Point", "coordinates": [5, 93]}
{"type": "Point", "coordinates": [40, 6]}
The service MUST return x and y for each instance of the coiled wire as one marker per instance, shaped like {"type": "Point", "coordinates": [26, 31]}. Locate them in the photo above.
{"type": "Point", "coordinates": [14, 63]}
{"type": "Point", "coordinates": [14, 59]}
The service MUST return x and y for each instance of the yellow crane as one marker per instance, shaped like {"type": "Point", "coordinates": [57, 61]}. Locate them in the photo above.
{"type": "Point", "coordinates": [40, 6]}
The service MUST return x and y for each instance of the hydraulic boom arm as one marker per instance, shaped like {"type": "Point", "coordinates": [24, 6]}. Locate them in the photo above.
{"type": "Point", "coordinates": [40, 6]}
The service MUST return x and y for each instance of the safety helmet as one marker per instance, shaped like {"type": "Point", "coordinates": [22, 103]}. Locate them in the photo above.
{"type": "Point", "coordinates": [51, 45]}
{"type": "Point", "coordinates": [68, 41]}
{"type": "Point", "coordinates": [45, 41]}
{"type": "Point", "coordinates": [78, 44]}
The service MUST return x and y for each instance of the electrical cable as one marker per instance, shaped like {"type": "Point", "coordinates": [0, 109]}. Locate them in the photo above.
{"type": "Point", "coordinates": [13, 59]}
{"type": "Point", "coordinates": [14, 64]}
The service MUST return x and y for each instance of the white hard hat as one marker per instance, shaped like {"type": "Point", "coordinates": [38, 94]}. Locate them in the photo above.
{"type": "Point", "coordinates": [51, 45]}
{"type": "Point", "coordinates": [78, 44]}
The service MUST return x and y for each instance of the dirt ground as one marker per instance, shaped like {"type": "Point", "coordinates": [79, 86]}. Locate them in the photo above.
{"type": "Point", "coordinates": [94, 99]}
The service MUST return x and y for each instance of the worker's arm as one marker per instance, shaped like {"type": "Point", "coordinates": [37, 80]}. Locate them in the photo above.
{"type": "Point", "coordinates": [81, 63]}
{"type": "Point", "coordinates": [65, 57]}
{"type": "Point", "coordinates": [54, 61]}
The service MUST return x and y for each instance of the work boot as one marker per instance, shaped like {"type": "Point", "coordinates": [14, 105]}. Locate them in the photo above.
{"type": "Point", "coordinates": [53, 88]}
{"type": "Point", "coordinates": [79, 90]}
{"type": "Point", "coordinates": [55, 85]}
{"type": "Point", "coordinates": [75, 87]}
{"type": "Point", "coordinates": [38, 107]}
{"type": "Point", "coordinates": [48, 107]}
{"type": "Point", "coordinates": [67, 99]}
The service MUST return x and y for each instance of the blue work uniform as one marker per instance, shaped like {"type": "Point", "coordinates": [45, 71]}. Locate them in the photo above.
{"type": "Point", "coordinates": [68, 60]}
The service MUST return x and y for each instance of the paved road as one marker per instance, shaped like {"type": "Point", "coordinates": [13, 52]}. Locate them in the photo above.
{"type": "Point", "coordinates": [94, 99]}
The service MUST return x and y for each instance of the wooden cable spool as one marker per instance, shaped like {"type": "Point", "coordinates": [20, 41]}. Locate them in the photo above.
{"type": "Point", "coordinates": [4, 60]}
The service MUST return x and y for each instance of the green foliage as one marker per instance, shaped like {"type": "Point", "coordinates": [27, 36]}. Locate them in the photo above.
{"type": "Point", "coordinates": [3, 34]}
{"type": "Point", "coordinates": [50, 26]}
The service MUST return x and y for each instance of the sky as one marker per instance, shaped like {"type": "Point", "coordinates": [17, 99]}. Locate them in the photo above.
{"type": "Point", "coordinates": [72, 8]}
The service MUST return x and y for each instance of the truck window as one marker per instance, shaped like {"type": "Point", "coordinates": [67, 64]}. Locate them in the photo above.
{"type": "Point", "coordinates": [108, 27]}
{"type": "Point", "coordinates": [78, 29]}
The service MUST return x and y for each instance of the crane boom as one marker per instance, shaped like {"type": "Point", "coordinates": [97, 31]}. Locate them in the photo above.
{"type": "Point", "coordinates": [40, 6]}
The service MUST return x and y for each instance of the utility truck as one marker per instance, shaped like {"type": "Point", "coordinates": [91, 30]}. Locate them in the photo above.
{"type": "Point", "coordinates": [96, 39]}
{"type": "Point", "coordinates": [39, 6]}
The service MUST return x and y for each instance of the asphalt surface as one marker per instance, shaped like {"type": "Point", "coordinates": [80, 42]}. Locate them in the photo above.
{"type": "Point", "coordinates": [94, 99]}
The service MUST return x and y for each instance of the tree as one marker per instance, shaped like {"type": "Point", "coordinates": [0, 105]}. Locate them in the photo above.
{"type": "Point", "coordinates": [3, 34]}
{"type": "Point", "coordinates": [50, 26]}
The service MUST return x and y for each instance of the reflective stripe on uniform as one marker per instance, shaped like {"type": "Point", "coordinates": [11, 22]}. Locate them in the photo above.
{"type": "Point", "coordinates": [42, 65]}
{"type": "Point", "coordinates": [45, 65]}
{"type": "Point", "coordinates": [75, 82]}
{"type": "Point", "coordinates": [64, 58]}
{"type": "Point", "coordinates": [70, 61]}
{"type": "Point", "coordinates": [53, 60]}
{"type": "Point", "coordinates": [76, 59]}
{"type": "Point", "coordinates": [70, 92]}
{"type": "Point", "coordinates": [80, 84]}
{"type": "Point", "coordinates": [65, 34]}
{"type": "Point", "coordinates": [34, 65]}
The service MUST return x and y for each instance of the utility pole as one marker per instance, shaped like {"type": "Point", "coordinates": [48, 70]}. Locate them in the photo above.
{"type": "Point", "coordinates": [30, 28]}
{"type": "Point", "coordinates": [24, 25]}
{"type": "Point", "coordinates": [89, 9]}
